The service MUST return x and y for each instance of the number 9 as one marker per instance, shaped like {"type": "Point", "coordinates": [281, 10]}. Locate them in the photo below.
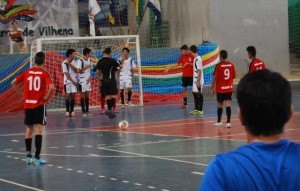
{"type": "Point", "coordinates": [226, 74]}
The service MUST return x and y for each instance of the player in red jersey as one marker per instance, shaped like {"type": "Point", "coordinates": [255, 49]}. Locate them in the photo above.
{"type": "Point", "coordinates": [186, 63]}
{"type": "Point", "coordinates": [38, 88]}
{"type": "Point", "coordinates": [256, 64]}
{"type": "Point", "coordinates": [222, 84]}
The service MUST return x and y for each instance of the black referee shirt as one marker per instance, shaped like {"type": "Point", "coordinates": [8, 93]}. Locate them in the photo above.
{"type": "Point", "coordinates": [108, 67]}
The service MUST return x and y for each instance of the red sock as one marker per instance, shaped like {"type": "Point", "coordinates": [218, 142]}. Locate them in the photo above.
{"type": "Point", "coordinates": [102, 103]}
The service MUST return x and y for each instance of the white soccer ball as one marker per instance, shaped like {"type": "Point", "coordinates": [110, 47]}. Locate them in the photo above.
{"type": "Point", "coordinates": [123, 125]}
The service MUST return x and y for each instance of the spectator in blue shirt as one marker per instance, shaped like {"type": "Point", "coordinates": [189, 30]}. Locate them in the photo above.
{"type": "Point", "coordinates": [269, 162]}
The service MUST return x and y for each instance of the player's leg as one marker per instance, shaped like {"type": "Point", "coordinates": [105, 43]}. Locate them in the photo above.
{"type": "Point", "coordinates": [67, 100]}
{"type": "Point", "coordinates": [228, 108]}
{"type": "Point", "coordinates": [129, 91]}
{"type": "Point", "coordinates": [184, 92]}
{"type": "Point", "coordinates": [82, 99]}
{"type": "Point", "coordinates": [111, 89]}
{"type": "Point", "coordinates": [72, 104]}
{"type": "Point", "coordinates": [28, 121]}
{"type": "Point", "coordinates": [195, 94]}
{"type": "Point", "coordinates": [122, 93]}
{"type": "Point", "coordinates": [87, 102]}
{"type": "Point", "coordinates": [200, 102]}
{"type": "Point", "coordinates": [40, 122]}
{"type": "Point", "coordinates": [220, 100]}
{"type": "Point", "coordinates": [102, 98]}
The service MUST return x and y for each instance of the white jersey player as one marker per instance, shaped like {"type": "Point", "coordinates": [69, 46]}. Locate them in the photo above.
{"type": "Point", "coordinates": [84, 66]}
{"type": "Point", "coordinates": [126, 76]}
{"type": "Point", "coordinates": [198, 81]}
{"type": "Point", "coordinates": [69, 69]}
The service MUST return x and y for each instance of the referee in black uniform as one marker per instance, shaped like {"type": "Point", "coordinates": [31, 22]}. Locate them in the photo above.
{"type": "Point", "coordinates": [106, 67]}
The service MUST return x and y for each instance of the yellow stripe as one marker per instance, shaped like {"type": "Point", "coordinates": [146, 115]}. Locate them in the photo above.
{"type": "Point", "coordinates": [20, 8]}
{"type": "Point", "coordinates": [21, 67]}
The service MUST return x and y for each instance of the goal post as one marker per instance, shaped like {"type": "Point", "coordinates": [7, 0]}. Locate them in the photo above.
{"type": "Point", "coordinates": [55, 49]}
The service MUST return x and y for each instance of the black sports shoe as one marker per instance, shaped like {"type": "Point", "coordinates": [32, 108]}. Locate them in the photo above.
{"type": "Point", "coordinates": [110, 114]}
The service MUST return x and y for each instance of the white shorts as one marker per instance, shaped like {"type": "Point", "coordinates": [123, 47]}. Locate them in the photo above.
{"type": "Point", "coordinates": [70, 88]}
{"type": "Point", "coordinates": [85, 87]}
{"type": "Point", "coordinates": [195, 87]}
{"type": "Point", "coordinates": [125, 84]}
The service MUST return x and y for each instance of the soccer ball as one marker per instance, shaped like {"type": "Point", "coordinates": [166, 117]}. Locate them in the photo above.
{"type": "Point", "coordinates": [123, 125]}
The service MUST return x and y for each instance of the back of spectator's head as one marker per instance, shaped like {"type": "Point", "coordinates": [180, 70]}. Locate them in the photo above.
{"type": "Point", "coordinates": [264, 99]}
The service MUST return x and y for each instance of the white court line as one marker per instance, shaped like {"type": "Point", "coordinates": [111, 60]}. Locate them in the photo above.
{"type": "Point", "coordinates": [20, 185]}
{"type": "Point", "coordinates": [156, 157]}
{"type": "Point", "coordinates": [198, 173]}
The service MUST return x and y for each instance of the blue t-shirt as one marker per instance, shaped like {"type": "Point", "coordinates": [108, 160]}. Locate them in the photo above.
{"type": "Point", "coordinates": [257, 166]}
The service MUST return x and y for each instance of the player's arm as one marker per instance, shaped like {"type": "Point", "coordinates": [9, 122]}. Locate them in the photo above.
{"type": "Point", "coordinates": [199, 78]}
{"type": "Point", "coordinates": [49, 93]}
{"type": "Point", "coordinates": [70, 78]}
{"type": "Point", "coordinates": [214, 81]}
{"type": "Point", "coordinates": [15, 84]}
{"type": "Point", "coordinates": [72, 67]}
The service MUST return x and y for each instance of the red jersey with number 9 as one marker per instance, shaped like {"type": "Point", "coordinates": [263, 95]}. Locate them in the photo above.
{"type": "Point", "coordinates": [256, 64]}
{"type": "Point", "coordinates": [224, 74]}
{"type": "Point", "coordinates": [36, 82]}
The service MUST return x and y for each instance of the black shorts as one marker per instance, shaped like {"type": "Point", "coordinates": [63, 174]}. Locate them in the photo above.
{"type": "Point", "coordinates": [224, 97]}
{"type": "Point", "coordinates": [109, 87]}
{"type": "Point", "coordinates": [18, 40]}
{"type": "Point", "coordinates": [187, 81]}
{"type": "Point", "coordinates": [35, 116]}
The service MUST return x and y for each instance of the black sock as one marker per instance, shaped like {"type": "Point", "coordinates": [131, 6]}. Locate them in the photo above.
{"type": "Point", "coordinates": [38, 146]}
{"type": "Point", "coordinates": [228, 112]}
{"type": "Point", "coordinates": [122, 97]}
{"type": "Point", "coordinates": [200, 101]}
{"type": "Point", "coordinates": [129, 96]}
{"type": "Point", "coordinates": [87, 104]}
{"type": "Point", "coordinates": [28, 143]}
{"type": "Point", "coordinates": [220, 111]}
{"type": "Point", "coordinates": [196, 100]}
{"type": "Point", "coordinates": [109, 104]}
{"type": "Point", "coordinates": [113, 101]}
{"type": "Point", "coordinates": [185, 101]}
{"type": "Point", "coordinates": [82, 105]}
{"type": "Point", "coordinates": [67, 102]}
{"type": "Point", "coordinates": [72, 105]}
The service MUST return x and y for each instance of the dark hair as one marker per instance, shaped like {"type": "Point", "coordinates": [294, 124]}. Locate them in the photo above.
{"type": "Point", "coordinates": [194, 48]}
{"type": "Point", "coordinates": [13, 22]}
{"type": "Point", "coordinates": [264, 98]}
{"type": "Point", "coordinates": [39, 58]}
{"type": "Point", "coordinates": [86, 51]}
{"type": "Point", "coordinates": [251, 50]}
{"type": "Point", "coordinates": [127, 49]}
{"type": "Point", "coordinates": [107, 50]}
{"type": "Point", "coordinates": [70, 52]}
{"type": "Point", "coordinates": [184, 47]}
{"type": "Point", "coordinates": [223, 54]}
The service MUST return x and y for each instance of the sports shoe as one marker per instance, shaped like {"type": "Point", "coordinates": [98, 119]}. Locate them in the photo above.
{"type": "Point", "coordinates": [39, 161]}
{"type": "Point", "coordinates": [197, 112]}
{"type": "Point", "coordinates": [67, 115]}
{"type": "Point", "coordinates": [73, 114]}
{"type": "Point", "coordinates": [194, 112]}
{"type": "Point", "coordinates": [84, 115]}
{"type": "Point", "coordinates": [228, 125]}
{"type": "Point", "coordinates": [123, 106]}
{"type": "Point", "coordinates": [219, 124]}
{"type": "Point", "coordinates": [200, 112]}
{"type": "Point", "coordinates": [110, 114]}
{"type": "Point", "coordinates": [29, 160]}
{"type": "Point", "coordinates": [89, 114]}
{"type": "Point", "coordinates": [183, 106]}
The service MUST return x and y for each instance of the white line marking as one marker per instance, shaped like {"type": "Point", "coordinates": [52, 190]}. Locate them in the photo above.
{"type": "Point", "coordinates": [20, 185]}
{"type": "Point", "coordinates": [16, 141]}
{"type": "Point", "coordinates": [101, 176]}
{"type": "Point", "coordinates": [70, 146]}
{"type": "Point", "coordinates": [79, 171]}
{"type": "Point", "coordinates": [114, 179]}
{"type": "Point", "coordinates": [8, 149]}
{"type": "Point", "coordinates": [8, 156]}
{"type": "Point", "coordinates": [198, 173]}
{"type": "Point", "coordinates": [59, 167]}
{"type": "Point", "coordinates": [53, 147]}
{"type": "Point", "coordinates": [91, 174]}
{"type": "Point", "coordinates": [151, 187]}
{"type": "Point", "coordinates": [137, 184]}
{"type": "Point", "coordinates": [149, 156]}
{"type": "Point", "coordinates": [164, 190]}
{"type": "Point", "coordinates": [69, 169]}
{"type": "Point", "coordinates": [16, 158]}
{"type": "Point", "coordinates": [50, 165]}
{"type": "Point", "coordinates": [125, 181]}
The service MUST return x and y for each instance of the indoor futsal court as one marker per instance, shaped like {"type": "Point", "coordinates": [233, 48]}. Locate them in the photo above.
{"type": "Point", "coordinates": [142, 95]}
{"type": "Point", "coordinates": [163, 149]}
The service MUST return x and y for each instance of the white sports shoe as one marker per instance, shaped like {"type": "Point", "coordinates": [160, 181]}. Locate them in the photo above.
{"type": "Point", "coordinates": [67, 115]}
{"type": "Point", "coordinates": [123, 106]}
{"type": "Point", "coordinates": [129, 103]}
{"type": "Point", "coordinates": [73, 114]}
{"type": "Point", "coordinates": [218, 124]}
{"type": "Point", "coordinates": [228, 125]}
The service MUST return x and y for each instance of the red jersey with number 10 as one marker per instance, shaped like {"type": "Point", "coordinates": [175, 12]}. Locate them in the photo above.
{"type": "Point", "coordinates": [224, 74]}
{"type": "Point", "coordinates": [36, 82]}
{"type": "Point", "coordinates": [256, 64]}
